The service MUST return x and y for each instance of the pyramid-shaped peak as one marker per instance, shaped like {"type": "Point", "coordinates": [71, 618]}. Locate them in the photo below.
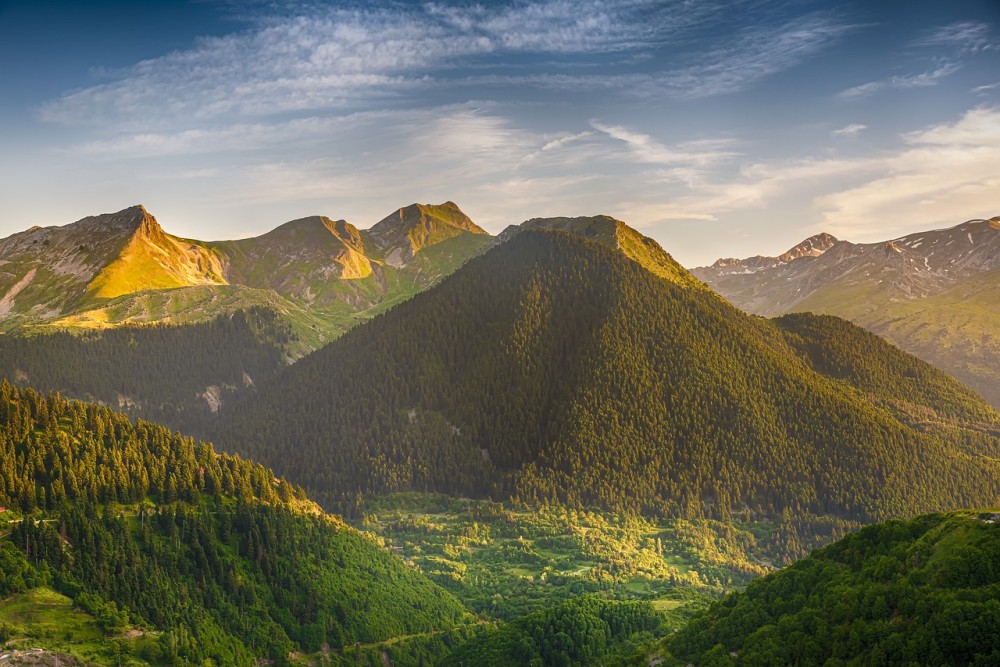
{"type": "Point", "coordinates": [426, 215]}
{"type": "Point", "coordinates": [614, 233]}
{"type": "Point", "coordinates": [132, 220]}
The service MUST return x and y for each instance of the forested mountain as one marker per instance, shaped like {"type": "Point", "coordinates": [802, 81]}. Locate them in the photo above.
{"type": "Point", "coordinates": [614, 234]}
{"type": "Point", "coordinates": [219, 559]}
{"type": "Point", "coordinates": [932, 293]}
{"type": "Point", "coordinates": [925, 591]}
{"type": "Point", "coordinates": [179, 376]}
{"type": "Point", "coordinates": [554, 368]}
{"type": "Point", "coordinates": [318, 274]}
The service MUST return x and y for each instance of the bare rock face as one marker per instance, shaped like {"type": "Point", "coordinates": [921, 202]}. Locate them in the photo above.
{"type": "Point", "coordinates": [914, 266]}
{"type": "Point", "coordinates": [814, 246]}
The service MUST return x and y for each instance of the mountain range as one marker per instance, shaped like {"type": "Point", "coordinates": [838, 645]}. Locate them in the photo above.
{"type": "Point", "coordinates": [553, 368]}
{"type": "Point", "coordinates": [319, 274]}
{"type": "Point", "coordinates": [934, 294]}
{"type": "Point", "coordinates": [569, 368]}
{"type": "Point", "coordinates": [262, 303]}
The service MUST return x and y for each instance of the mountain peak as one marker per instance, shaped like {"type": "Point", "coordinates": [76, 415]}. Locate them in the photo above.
{"type": "Point", "coordinates": [614, 233]}
{"type": "Point", "coordinates": [405, 232]}
{"type": "Point", "coordinates": [310, 226]}
{"type": "Point", "coordinates": [814, 246]}
{"type": "Point", "coordinates": [132, 221]}
{"type": "Point", "coordinates": [415, 214]}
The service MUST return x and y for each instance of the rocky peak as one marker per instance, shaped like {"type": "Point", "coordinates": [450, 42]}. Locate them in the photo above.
{"type": "Point", "coordinates": [129, 222]}
{"type": "Point", "coordinates": [425, 215]}
{"type": "Point", "coordinates": [813, 246]}
{"type": "Point", "coordinates": [402, 234]}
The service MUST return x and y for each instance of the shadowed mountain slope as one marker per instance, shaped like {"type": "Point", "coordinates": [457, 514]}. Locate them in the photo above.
{"type": "Point", "coordinates": [553, 367]}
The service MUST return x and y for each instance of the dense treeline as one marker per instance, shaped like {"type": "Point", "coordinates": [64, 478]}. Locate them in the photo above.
{"type": "Point", "coordinates": [141, 526]}
{"type": "Point", "coordinates": [161, 373]}
{"type": "Point", "coordinates": [923, 592]}
{"type": "Point", "coordinates": [831, 345]}
{"type": "Point", "coordinates": [553, 369]}
{"type": "Point", "coordinates": [584, 631]}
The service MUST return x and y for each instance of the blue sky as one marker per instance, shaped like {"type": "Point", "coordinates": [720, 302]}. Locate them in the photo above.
{"type": "Point", "coordinates": [718, 128]}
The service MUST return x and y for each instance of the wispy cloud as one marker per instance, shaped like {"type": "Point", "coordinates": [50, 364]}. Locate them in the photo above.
{"type": "Point", "coordinates": [559, 142]}
{"type": "Point", "coordinates": [332, 58]}
{"type": "Point", "coordinates": [902, 82]}
{"type": "Point", "coordinates": [329, 59]}
{"type": "Point", "coordinates": [941, 172]}
{"type": "Point", "coordinates": [932, 176]}
{"type": "Point", "coordinates": [962, 36]}
{"type": "Point", "coordinates": [851, 130]}
{"type": "Point", "coordinates": [646, 149]}
{"type": "Point", "coordinates": [952, 46]}
{"type": "Point", "coordinates": [755, 54]}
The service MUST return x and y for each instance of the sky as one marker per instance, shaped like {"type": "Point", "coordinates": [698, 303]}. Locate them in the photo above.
{"type": "Point", "coordinates": [719, 128]}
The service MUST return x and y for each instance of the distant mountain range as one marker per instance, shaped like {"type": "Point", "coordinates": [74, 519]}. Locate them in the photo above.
{"type": "Point", "coordinates": [321, 275]}
{"type": "Point", "coordinates": [935, 294]}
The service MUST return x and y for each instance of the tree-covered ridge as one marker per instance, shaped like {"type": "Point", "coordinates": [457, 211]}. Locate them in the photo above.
{"type": "Point", "coordinates": [553, 368]}
{"type": "Point", "coordinates": [615, 234]}
{"type": "Point", "coordinates": [830, 345]}
{"type": "Point", "coordinates": [925, 591]}
{"type": "Point", "coordinates": [584, 631]}
{"type": "Point", "coordinates": [180, 376]}
{"type": "Point", "coordinates": [141, 526]}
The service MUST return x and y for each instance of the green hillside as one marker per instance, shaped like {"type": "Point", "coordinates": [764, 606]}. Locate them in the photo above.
{"type": "Point", "coordinates": [919, 592]}
{"type": "Point", "coordinates": [554, 369]}
{"type": "Point", "coordinates": [197, 305]}
{"type": "Point", "coordinates": [209, 557]}
{"type": "Point", "coordinates": [958, 331]}
{"type": "Point", "coordinates": [916, 393]}
{"type": "Point", "coordinates": [584, 631]}
{"type": "Point", "coordinates": [179, 376]}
